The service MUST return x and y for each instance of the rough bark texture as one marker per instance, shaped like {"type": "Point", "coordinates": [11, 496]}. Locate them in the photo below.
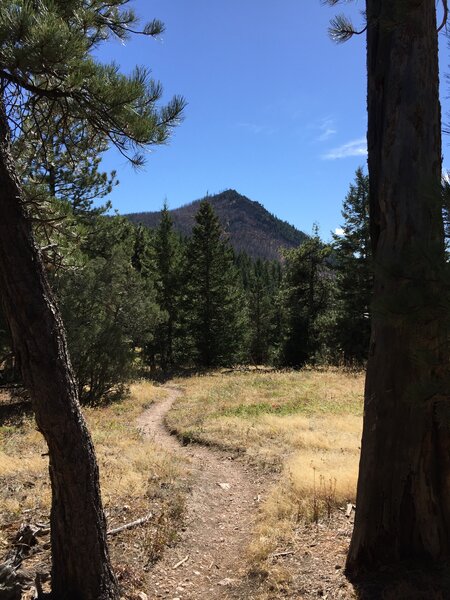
{"type": "Point", "coordinates": [403, 501]}
{"type": "Point", "coordinates": [81, 569]}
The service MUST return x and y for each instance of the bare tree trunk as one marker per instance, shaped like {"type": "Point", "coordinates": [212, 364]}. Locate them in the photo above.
{"type": "Point", "coordinates": [81, 568]}
{"type": "Point", "coordinates": [403, 501]}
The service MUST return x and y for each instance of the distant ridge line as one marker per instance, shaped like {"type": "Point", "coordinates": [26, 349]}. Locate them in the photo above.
{"type": "Point", "coordinates": [250, 227]}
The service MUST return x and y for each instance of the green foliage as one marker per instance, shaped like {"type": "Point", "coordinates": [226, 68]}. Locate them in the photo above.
{"type": "Point", "coordinates": [109, 310]}
{"type": "Point", "coordinates": [214, 298]}
{"type": "Point", "coordinates": [52, 165]}
{"type": "Point", "coordinates": [353, 263]}
{"type": "Point", "coordinates": [143, 259]}
{"type": "Point", "coordinates": [50, 74]}
{"type": "Point", "coordinates": [64, 108]}
{"type": "Point", "coordinates": [261, 281]}
{"type": "Point", "coordinates": [169, 281]}
{"type": "Point", "coordinates": [306, 296]}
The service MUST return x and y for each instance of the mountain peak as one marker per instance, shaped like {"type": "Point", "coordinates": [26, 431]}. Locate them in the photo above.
{"type": "Point", "coordinates": [250, 227]}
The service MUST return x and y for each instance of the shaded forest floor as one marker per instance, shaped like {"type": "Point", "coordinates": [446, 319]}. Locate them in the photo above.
{"type": "Point", "coordinates": [249, 502]}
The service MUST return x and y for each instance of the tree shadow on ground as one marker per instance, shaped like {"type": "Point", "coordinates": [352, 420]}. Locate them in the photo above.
{"type": "Point", "coordinates": [15, 405]}
{"type": "Point", "coordinates": [159, 375]}
{"type": "Point", "coordinates": [15, 413]}
{"type": "Point", "coordinates": [407, 583]}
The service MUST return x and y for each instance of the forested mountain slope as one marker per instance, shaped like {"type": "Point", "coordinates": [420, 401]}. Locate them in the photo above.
{"type": "Point", "coordinates": [250, 227]}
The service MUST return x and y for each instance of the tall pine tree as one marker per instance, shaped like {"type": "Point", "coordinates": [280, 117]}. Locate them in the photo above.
{"type": "Point", "coordinates": [262, 289]}
{"type": "Point", "coordinates": [169, 285]}
{"type": "Point", "coordinates": [48, 68]}
{"type": "Point", "coordinates": [353, 263]}
{"type": "Point", "coordinates": [214, 296]}
{"type": "Point", "coordinates": [403, 493]}
{"type": "Point", "coordinates": [305, 295]}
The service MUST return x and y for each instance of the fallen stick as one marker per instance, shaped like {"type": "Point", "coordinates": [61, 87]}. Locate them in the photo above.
{"type": "Point", "coordinates": [130, 525]}
{"type": "Point", "coordinates": [181, 562]}
{"type": "Point", "coordinates": [285, 553]}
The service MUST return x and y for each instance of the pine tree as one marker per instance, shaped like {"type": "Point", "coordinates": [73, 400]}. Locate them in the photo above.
{"type": "Point", "coordinates": [353, 262]}
{"type": "Point", "coordinates": [143, 259]}
{"type": "Point", "coordinates": [261, 292]}
{"type": "Point", "coordinates": [47, 70]}
{"type": "Point", "coordinates": [403, 495]}
{"type": "Point", "coordinates": [66, 166]}
{"type": "Point", "coordinates": [305, 295]}
{"type": "Point", "coordinates": [169, 286]}
{"type": "Point", "coordinates": [215, 300]}
{"type": "Point", "coordinates": [109, 310]}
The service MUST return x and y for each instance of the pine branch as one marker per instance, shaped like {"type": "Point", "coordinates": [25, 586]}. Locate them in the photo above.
{"type": "Point", "coordinates": [341, 29]}
{"type": "Point", "coordinates": [445, 17]}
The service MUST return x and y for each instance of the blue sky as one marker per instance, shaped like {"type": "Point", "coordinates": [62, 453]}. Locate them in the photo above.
{"type": "Point", "coordinates": [275, 109]}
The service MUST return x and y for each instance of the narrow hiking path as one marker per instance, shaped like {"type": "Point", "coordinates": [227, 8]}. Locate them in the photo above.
{"type": "Point", "coordinates": [221, 511]}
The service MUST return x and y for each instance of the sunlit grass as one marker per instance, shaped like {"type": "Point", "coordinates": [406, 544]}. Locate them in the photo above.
{"type": "Point", "coordinates": [305, 424]}
{"type": "Point", "coordinates": [134, 473]}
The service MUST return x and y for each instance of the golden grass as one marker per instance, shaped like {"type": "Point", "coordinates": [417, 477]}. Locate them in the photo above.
{"type": "Point", "coordinates": [270, 416]}
{"type": "Point", "coordinates": [136, 476]}
{"type": "Point", "coordinates": [306, 425]}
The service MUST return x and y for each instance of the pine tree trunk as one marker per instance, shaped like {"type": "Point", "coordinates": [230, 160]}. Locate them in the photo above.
{"type": "Point", "coordinates": [80, 564]}
{"type": "Point", "coordinates": [403, 500]}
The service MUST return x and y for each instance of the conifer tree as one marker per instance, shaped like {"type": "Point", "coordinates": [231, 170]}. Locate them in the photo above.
{"type": "Point", "coordinates": [353, 263]}
{"type": "Point", "coordinates": [109, 309]}
{"type": "Point", "coordinates": [61, 163]}
{"type": "Point", "coordinates": [168, 263]}
{"type": "Point", "coordinates": [305, 296]}
{"type": "Point", "coordinates": [47, 70]}
{"type": "Point", "coordinates": [215, 300]}
{"type": "Point", "coordinates": [262, 289]}
{"type": "Point", "coordinates": [143, 259]}
{"type": "Point", "coordinates": [403, 495]}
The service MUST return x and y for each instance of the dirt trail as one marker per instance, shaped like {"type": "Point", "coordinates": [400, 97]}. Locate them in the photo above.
{"type": "Point", "coordinates": [218, 523]}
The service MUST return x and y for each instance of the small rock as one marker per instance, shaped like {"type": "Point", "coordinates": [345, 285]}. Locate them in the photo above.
{"type": "Point", "coordinates": [224, 486]}
{"type": "Point", "coordinates": [142, 596]}
{"type": "Point", "coordinates": [226, 581]}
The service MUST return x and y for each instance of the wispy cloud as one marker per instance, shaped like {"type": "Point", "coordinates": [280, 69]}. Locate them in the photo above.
{"type": "Point", "coordinates": [354, 148]}
{"type": "Point", "coordinates": [327, 129]}
{"type": "Point", "coordinates": [339, 231]}
{"type": "Point", "coordinates": [257, 129]}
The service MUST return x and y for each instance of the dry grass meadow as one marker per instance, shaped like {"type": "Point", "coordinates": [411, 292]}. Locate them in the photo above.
{"type": "Point", "coordinates": [300, 430]}
{"type": "Point", "coordinates": [305, 427]}
{"type": "Point", "coordinates": [136, 478]}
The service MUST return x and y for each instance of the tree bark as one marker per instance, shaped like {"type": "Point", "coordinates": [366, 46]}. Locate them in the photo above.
{"type": "Point", "coordinates": [80, 564]}
{"type": "Point", "coordinates": [402, 507]}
